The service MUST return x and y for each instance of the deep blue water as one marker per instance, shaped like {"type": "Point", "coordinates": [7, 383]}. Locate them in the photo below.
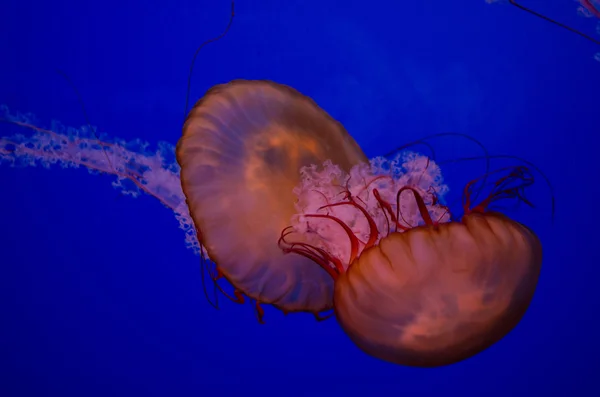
{"type": "Point", "coordinates": [98, 295]}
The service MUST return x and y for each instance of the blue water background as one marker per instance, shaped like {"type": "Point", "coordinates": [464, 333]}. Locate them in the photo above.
{"type": "Point", "coordinates": [98, 295]}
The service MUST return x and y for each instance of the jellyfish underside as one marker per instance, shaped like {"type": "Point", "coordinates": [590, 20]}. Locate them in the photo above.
{"type": "Point", "coordinates": [423, 293]}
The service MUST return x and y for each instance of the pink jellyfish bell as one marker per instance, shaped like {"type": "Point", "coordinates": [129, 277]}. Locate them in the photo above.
{"type": "Point", "coordinates": [242, 148]}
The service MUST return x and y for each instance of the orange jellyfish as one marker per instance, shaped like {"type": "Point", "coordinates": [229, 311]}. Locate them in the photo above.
{"type": "Point", "coordinates": [372, 239]}
{"type": "Point", "coordinates": [412, 286]}
{"type": "Point", "coordinates": [242, 147]}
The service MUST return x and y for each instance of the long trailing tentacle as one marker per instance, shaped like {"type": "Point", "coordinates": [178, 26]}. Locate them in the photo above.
{"type": "Point", "coordinates": [219, 37]}
{"type": "Point", "coordinates": [203, 271]}
{"type": "Point", "coordinates": [205, 266]}
{"type": "Point", "coordinates": [562, 25]}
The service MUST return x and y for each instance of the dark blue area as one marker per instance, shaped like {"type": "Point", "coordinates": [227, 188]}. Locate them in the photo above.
{"type": "Point", "coordinates": [98, 295]}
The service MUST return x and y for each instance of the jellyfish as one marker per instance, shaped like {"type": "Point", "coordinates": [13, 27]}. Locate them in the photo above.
{"type": "Point", "coordinates": [408, 283]}
{"type": "Point", "coordinates": [412, 284]}
{"type": "Point", "coordinates": [241, 152]}
{"type": "Point", "coordinates": [282, 201]}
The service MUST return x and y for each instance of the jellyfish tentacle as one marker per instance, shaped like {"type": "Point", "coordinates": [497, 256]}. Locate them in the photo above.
{"type": "Point", "coordinates": [203, 271]}
{"type": "Point", "coordinates": [486, 154]}
{"type": "Point", "coordinates": [509, 186]}
{"type": "Point", "coordinates": [191, 72]}
{"type": "Point", "coordinates": [530, 165]}
{"type": "Point", "coordinates": [260, 312]}
{"type": "Point", "coordinates": [373, 233]}
{"type": "Point", "coordinates": [304, 249]}
{"type": "Point", "coordinates": [319, 317]}
{"type": "Point", "coordinates": [420, 204]}
{"type": "Point", "coordinates": [351, 236]}
{"type": "Point", "coordinates": [562, 25]}
{"type": "Point", "coordinates": [389, 210]}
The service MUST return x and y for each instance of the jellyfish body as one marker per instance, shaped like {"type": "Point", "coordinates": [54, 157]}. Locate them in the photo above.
{"type": "Point", "coordinates": [436, 295]}
{"type": "Point", "coordinates": [429, 293]}
{"type": "Point", "coordinates": [372, 239]}
{"type": "Point", "coordinates": [242, 147]}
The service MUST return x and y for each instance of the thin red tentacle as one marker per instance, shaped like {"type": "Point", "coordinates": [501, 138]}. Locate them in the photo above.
{"type": "Point", "coordinates": [420, 203]}
{"type": "Point", "coordinates": [373, 232]}
{"type": "Point", "coordinates": [351, 236]}
{"type": "Point", "coordinates": [388, 208]}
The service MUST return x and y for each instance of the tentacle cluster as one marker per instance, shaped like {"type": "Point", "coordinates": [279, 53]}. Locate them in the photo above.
{"type": "Point", "coordinates": [512, 185]}
{"type": "Point", "coordinates": [341, 215]}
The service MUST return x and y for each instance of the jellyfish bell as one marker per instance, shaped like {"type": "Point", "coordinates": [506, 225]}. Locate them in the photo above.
{"type": "Point", "coordinates": [242, 147]}
{"type": "Point", "coordinates": [422, 292]}
{"type": "Point", "coordinates": [443, 293]}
